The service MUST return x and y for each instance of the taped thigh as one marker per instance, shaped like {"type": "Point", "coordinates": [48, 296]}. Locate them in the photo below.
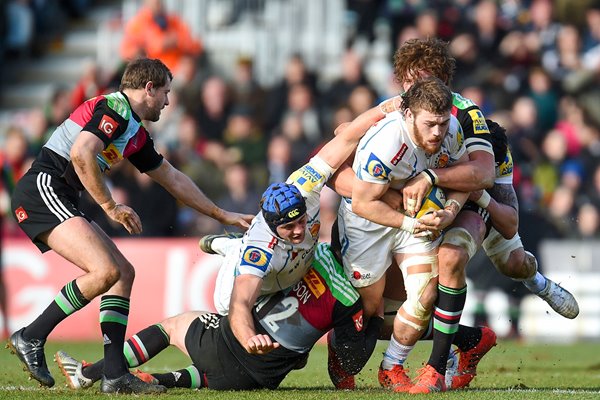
{"type": "Point", "coordinates": [498, 249]}
{"type": "Point", "coordinates": [460, 237]}
{"type": "Point", "coordinates": [417, 272]}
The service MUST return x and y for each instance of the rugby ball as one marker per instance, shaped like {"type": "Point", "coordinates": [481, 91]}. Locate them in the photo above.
{"type": "Point", "coordinates": [434, 200]}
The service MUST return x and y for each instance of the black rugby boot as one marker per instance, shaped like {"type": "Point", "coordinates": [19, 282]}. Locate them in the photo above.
{"type": "Point", "coordinates": [129, 383]}
{"type": "Point", "coordinates": [31, 354]}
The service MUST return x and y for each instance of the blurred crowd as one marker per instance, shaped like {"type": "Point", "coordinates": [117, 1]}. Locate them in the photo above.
{"type": "Point", "coordinates": [533, 66]}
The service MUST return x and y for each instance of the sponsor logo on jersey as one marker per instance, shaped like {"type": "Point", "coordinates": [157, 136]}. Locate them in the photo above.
{"type": "Point", "coordinates": [358, 320]}
{"type": "Point", "coordinates": [111, 154]}
{"type": "Point", "coordinates": [399, 154]}
{"type": "Point", "coordinates": [273, 243]}
{"type": "Point", "coordinates": [315, 283]}
{"type": "Point", "coordinates": [376, 168]}
{"type": "Point", "coordinates": [314, 230]}
{"type": "Point", "coordinates": [306, 177]}
{"type": "Point", "coordinates": [21, 214]}
{"type": "Point", "coordinates": [255, 257]}
{"type": "Point", "coordinates": [108, 125]}
{"type": "Point", "coordinates": [479, 125]}
{"type": "Point", "coordinates": [506, 168]}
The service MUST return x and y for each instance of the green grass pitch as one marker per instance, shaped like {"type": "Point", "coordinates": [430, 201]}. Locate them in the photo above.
{"type": "Point", "coordinates": [512, 370]}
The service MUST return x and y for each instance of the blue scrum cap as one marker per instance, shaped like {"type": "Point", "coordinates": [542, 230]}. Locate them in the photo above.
{"type": "Point", "coordinates": [282, 203]}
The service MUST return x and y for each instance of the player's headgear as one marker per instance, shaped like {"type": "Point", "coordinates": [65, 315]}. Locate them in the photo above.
{"type": "Point", "coordinates": [282, 203]}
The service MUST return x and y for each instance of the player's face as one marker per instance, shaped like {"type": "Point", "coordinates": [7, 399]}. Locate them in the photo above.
{"type": "Point", "coordinates": [158, 99]}
{"type": "Point", "coordinates": [294, 231]}
{"type": "Point", "coordinates": [428, 130]}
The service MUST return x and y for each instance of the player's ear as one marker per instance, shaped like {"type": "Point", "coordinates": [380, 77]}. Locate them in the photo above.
{"type": "Point", "coordinates": [149, 86]}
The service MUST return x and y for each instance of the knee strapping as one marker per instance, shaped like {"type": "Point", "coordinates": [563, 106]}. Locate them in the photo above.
{"type": "Point", "coordinates": [462, 238]}
{"type": "Point", "coordinates": [390, 308]}
{"type": "Point", "coordinates": [418, 272]}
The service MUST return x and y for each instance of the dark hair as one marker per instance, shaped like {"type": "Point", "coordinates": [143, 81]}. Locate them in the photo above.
{"type": "Point", "coordinates": [429, 94]}
{"type": "Point", "coordinates": [499, 140]}
{"type": "Point", "coordinates": [143, 70]}
{"type": "Point", "coordinates": [431, 55]}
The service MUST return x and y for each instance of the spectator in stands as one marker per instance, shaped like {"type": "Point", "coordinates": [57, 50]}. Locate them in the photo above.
{"type": "Point", "coordinates": [361, 99]}
{"type": "Point", "coordinates": [300, 148]}
{"type": "Point", "coordinates": [246, 143]}
{"type": "Point", "coordinates": [188, 83]}
{"type": "Point", "coordinates": [352, 75]}
{"type": "Point", "coordinates": [588, 222]}
{"type": "Point", "coordinates": [156, 33]}
{"type": "Point", "coordinates": [214, 107]}
{"type": "Point", "coordinates": [20, 28]}
{"type": "Point", "coordinates": [301, 103]}
{"type": "Point", "coordinates": [13, 164]}
{"type": "Point", "coordinates": [241, 194]}
{"type": "Point", "coordinates": [279, 155]}
{"type": "Point", "coordinates": [89, 85]}
{"type": "Point", "coordinates": [296, 72]}
{"type": "Point", "coordinates": [246, 91]}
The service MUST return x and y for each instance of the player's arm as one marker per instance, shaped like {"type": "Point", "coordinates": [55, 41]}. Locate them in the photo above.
{"type": "Point", "coordinates": [338, 149]}
{"type": "Point", "coordinates": [478, 172]}
{"type": "Point", "coordinates": [186, 191]}
{"type": "Point", "coordinates": [502, 204]}
{"type": "Point", "coordinates": [246, 289]}
{"type": "Point", "coordinates": [367, 202]}
{"type": "Point", "coordinates": [83, 156]}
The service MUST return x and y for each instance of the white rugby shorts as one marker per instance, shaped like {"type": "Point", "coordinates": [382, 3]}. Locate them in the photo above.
{"type": "Point", "coordinates": [367, 247]}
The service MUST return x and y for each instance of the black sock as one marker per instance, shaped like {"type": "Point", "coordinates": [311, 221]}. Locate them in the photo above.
{"type": "Point", "coordinates": [66, 302]}
{"type": "Point", "coordinates": [145, 344]}
{"type": "Point", "coordinates": [447, 312]}
{"type": "Point", "coordinates": [184, 378]}
{"type": "Point", "coordinates": [94, 371]}
{"type": "Point", "coordinates": [138, 349]}
{"type": "Point", "coordinates": [467, 337]}
{"type": "Point", "coordinates": [114, 312]}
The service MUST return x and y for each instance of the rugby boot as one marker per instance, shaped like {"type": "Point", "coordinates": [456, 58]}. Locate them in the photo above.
{"type": "Point", "coordinates": [206, 243]}
{"type": "Point", "coordinates": [146, 377]}
{"type": "Point", "coordinates": [428, 381]}
{"type": "Point", "coordinates": [394, 379]}
{"type": "Point", "coordinates": [31, 354]}
{"type": "Point", "coordinates": [559, 299]}
{"type": "Point", "coordinates": [468, 360]}
{"type": "Point", "coordinates": [340, 378]}
{"type": "Point", "coordinates": [72, 370]}
{"type": "Point", "coordinates": [129, 383]}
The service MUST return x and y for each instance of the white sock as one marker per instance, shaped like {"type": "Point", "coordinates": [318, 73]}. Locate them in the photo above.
{"type": "Point", "coordinates": [535, 284]}
{"type": "Point", "coordinates": [395, 354]}
{"type": "Point", "coordinates": [220, 245]}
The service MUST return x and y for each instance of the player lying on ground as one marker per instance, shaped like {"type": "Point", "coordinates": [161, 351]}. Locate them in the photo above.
{"type": "Point", "coordinates": [278, 248]}
{"type": "Point", "coordinates": [295, 318]}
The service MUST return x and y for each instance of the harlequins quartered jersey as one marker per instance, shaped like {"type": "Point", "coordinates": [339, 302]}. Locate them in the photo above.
{"type": "Point", "coordinates": [472, 121]}
{"type": "Point", "coordinates": [111, 119]}
{"type": "Point", "coordinates": [297, 318]}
